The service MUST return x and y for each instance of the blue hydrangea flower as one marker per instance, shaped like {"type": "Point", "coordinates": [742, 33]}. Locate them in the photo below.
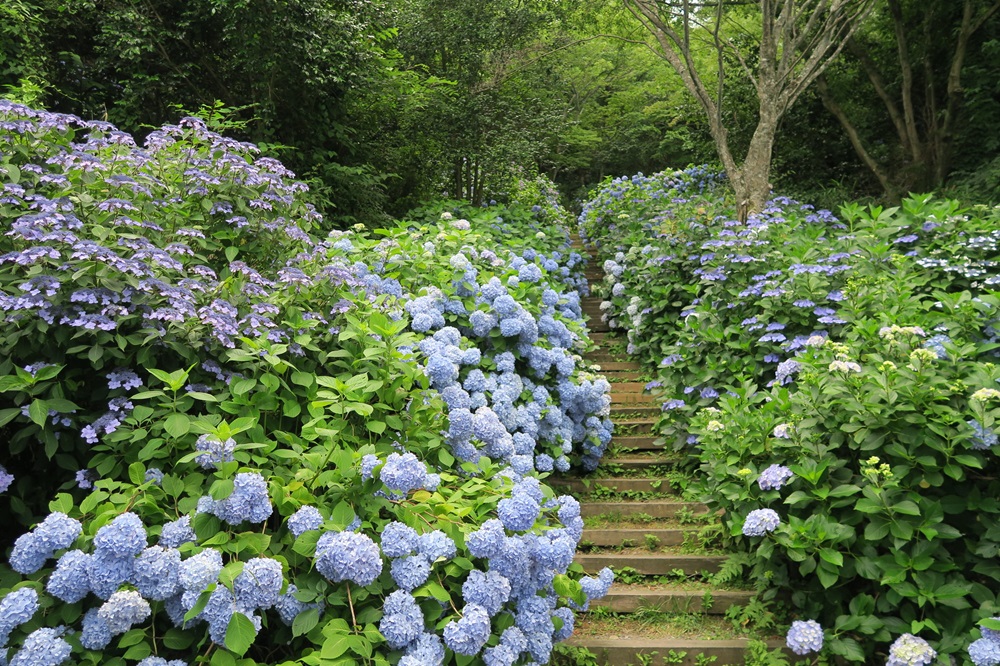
{"type": "Point", "coordinates": [215, 450]}
{"type": "Point", "coordinates": [983, 439]}
{"type": "Point", "coordinates": [487, 540]}
{"type": "Point", "coordinates": [436, 545]}
{"type": "Point", "coordinates": [96, 634]}
{"type": "Point", "coordinates": [32, 549]}
{"type": "Point", "coordinates": [410, 572]}
{"type": "Point", "coordinates": [804, 637]}
{"type": "Point", "coordinates": [774, 477]}
{"type": "Point", "coordinates": [518, 513]}
{"type": "Point", "coordinates": [6, 478]}
{"type": "Point", "coordinates": [249, 500]}
{"type": "Point", "coordinates": [910, 650]}
{"type": "Point", "coordinates": [177, 532]}
{"type": "Point", "coordinates": [125, 535]}
{"type": "Point", "coordinates": [568, 620]}
{"type": "Point", "coordinates": [154, 475]}
{"type": "Point", "coordinates": [398, 540]}
{"type": "Point", "coordinates": [426, 650]}
{"type": "Point", "coordinates": [348, 556]}
{"type": "Point", "coordinates": [156, 573]}
{"type": "Point", "coordinates": [984, 652]}
{"type": "Point", "coordinates": [402, 620]}
{"type": "Point", "coordinates": [42, 647]}
{"type": "Point", "coordinates": [403, 473]}
{"type": "Point", "coordinates": [15, 609]}
{"type": "Point", "coordinates": [595, 588]}
{"type": "Point", "coordinates": [106, 572]}
{"type": "Point", "coordinates": [69, 581]}
{"type": "Point", "coordinates": [160, 661]}
{"type": "Point", "coordinates": [123, 610]}
{"type": "Point", "coordinates": [306, 518]}
{"type": "Point", "coordinates": [490, 590]}
{"type": "Point", "coordinates": [468, 634]}
{"type": "Point", "coordinates": [258, 585]}
{"type": "Point", "coordinates": [760, 522]}
{"type": "Point", "coordinates": [200, 570]}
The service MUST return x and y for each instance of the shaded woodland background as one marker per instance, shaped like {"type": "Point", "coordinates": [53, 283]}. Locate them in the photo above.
{"type": "Point", "coordinates": [384, 104]}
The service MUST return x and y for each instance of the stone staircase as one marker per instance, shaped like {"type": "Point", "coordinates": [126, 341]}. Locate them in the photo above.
{"type": "Point", "coordinates": [664, 607]}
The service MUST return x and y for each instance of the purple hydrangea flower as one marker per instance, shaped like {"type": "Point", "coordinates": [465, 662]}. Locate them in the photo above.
{"type": "Point", "coordinates": [774, 477]}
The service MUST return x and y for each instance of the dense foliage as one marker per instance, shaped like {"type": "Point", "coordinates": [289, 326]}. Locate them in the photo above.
{"type": "Point", "coordinates": [236, 443]}
{"type": "Point", "coordinates": [382, 106]}
{"type": "Point", "coordinates": [833, 380]}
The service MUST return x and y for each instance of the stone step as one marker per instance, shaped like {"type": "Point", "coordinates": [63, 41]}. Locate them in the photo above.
{"type": "Point", "coordinates": [639, 409]}
{"type": "Point", "coordinates": [636, 536]}
{"type": "Point", "coordinates": [638, 426]}
{"type": "Point", "coordinates": [623, 377]}
{"type": "Point", "coordinates": [628, 388]}
{"type": "Point", "coordinates": [639, 462]}
{"type": "Point", "coordinates": [630, 598]}
{"type": "Point", "coordinates": [650, 564]}
{"type": "Point", "coordinates": [619, 366]}
{"type": "Point", "coordinates": [637, 443]}
{"type": "Point", "coordinates": [627, 650]}
{"type": "Point", "coordinates": [654, 508]}
{"type": "Point", "coordinates": [620, 397]}
{"type": "Point", "coordinates": [614, 483]}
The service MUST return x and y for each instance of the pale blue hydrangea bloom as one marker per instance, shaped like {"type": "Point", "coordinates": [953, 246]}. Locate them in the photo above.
{"type": "Point", "coordinates": [402, 620]}
{"type": "Point", "coordinates": [760, 522]}
{"type": "Point", "coordinates": [468, 634]}
{"type": "Point", "coordinates": [348, 556]}
{"type": "Point", "coordinates": [804, 637]}
{"type": "Point", "coordinates": [306, 518]}
{"type": "Point", "coordinates": [42, 647]}
{"type": "Point", "coordinates": [69, 581]}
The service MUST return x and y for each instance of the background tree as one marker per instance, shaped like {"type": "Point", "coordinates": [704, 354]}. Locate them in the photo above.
{"type": "Point", "coordinates": [913, 56]}
{"type": "Point", "coordinates": [796, 41]}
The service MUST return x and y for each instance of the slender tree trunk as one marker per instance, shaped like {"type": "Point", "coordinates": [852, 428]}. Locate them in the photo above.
{"type": "Point", "coordinates": [852, 134]}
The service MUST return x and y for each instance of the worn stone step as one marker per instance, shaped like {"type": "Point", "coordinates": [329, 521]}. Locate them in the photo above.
{"type": "Point", "coordinates": [650, 564]}
{"type": "Point", "coordinates": [638, 462]}
{"type": "Point", "coordinates": [614, 483]}
{"type": "Point", "coordinates": [630, 387]}
{"type": "Point", "coordinates": [618, 536]}
{"type": "Point", "coordinates": [630, 650]}
{"type": "Point", "coordinates": [630, 598]}
{"type": "Point", "coordinates": [639, 409]}
{"type": "Point", "coordinates": [637, 426]}
{"type": "Point", "coordinates": [620, 366]}
{"type": "Point", "coordinates": [620, 397]}
{"type": "Point", "coordinates": [654, 508]}
{"type": "Point", "coordinates": [637, 443]}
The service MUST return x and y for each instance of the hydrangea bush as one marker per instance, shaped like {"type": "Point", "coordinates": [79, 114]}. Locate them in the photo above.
{"type": "Point", "coordinates": [232, 442]}
{"type": "Point", "coordinates": [834, 382]}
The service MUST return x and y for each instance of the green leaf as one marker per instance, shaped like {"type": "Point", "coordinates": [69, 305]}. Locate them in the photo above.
{"type": "Point", "coordinates": [240, 633]}
{"type": "Point", "coordinates": [177, 425]}
{"type": "Point", "coordinates": [305, 621]}
{"type": "Point", "coordinates": [38, 412]}
{"type": "Point", "coordinates": [832, 556]}
{"type": "Point", "coordinates": [907, 508]}
{"type": "Point", "coordinates": [137, 473]}
{"type": "Point", "coordinates": [231, 252]}
{"type": "Point", "coordinates": [377, 427]}
{"type": "Point", "coordinates": [239, 387]}
{"type": "Point", "coordinates": [336, 645]}
{"type": "Point", "coordinates": [221, 489]}
{"type": "Point", "coordinates": [223, 658]}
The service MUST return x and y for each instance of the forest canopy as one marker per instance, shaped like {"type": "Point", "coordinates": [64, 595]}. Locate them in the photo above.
{"type": "Point", "coordinates": [383, 105]}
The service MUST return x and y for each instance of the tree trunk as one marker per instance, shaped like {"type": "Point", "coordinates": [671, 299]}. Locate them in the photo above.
{"type": "Point", "coordinates": [752, 181]}
{"type": "Point", "coordinates": [852, 134]}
